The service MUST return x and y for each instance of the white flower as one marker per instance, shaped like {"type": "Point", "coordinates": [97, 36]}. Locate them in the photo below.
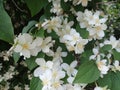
{"type": "Point", "coordinates": [59, 54]}
{"type": "Point", "coordinates": [23, 45]}
{"type": "Point", "coordinates": [46, 79]}
{"type": "Point", "coordinates": [53, 24]}
{"type": "Point", "coordinates": [116, 66]}
{"type": "Point", "coordinates": [56, 7]}
{"type": "Point", "coordinates": [57, 71]}
{"type": "Point", "coordinates": [102, 66]}
{"type": "Point", "coordinates": [83, 2]}
{"type": "Point", "coordinates": [97, 32]}
{"type": "Point", "coordinates": [43, 66]}
{"type": "Point", "coordinates": [93, 23]}
{"type": "Point", "coordinates": [70, 69]}
{"type": "Point", "coordinates": [112, 42]}
{"type": "Point", "coordinates": [47, 43]}
{"type": "Point", "coordinates": [56, 85]}
{"type": "Point", "coordinates": [71, 38]}
{"type": "Point", "coordinates": [95, 20]}
{"type": "Point", "coordinates": [79, 48]}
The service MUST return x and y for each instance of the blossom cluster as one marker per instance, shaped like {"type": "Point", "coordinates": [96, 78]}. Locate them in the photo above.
{"type": "Point", "coordinates": [52, 73]}
{"type": "Point", "coordinates": [27, 46]}
{"type": "Point", "coordinates": [93, 23]}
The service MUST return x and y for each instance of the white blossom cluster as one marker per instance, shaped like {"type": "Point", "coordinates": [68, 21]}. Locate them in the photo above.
{"type": "Point", "coordinates": [27, 46]}
{"type": "Point", "coordinates": [103, 61]}
{"type": "Point", "coordinates": [52, 74]}
{"type": "Point", "coordinates": [94, 24]}
{"type": "Point", "coordinates": [55, 74]}
{"type": "Point", "coordinates": [68, 35]}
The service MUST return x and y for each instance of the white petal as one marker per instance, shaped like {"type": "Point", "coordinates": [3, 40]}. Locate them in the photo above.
{"type": "Point", "coordinates": [40, 61]}
{"type": "Point", "coordinates": [49, 64]}
{"type": "Point", "coordinates": [65, 66]}
{"type": "Point", "coordinates": [64, 54]}
{"type": "Point", "coordinates": [18, 48]}
{"type": "Point", "coordinates": [45, 49]}
{"type": "Point", "coordinates": [26, 53]}
{"type": "Point", "coordinates": [101, 34]}
{"type": "Point", "coordinates": [73, 64]}
{"type": "Point", "coordinates": [37, 72]}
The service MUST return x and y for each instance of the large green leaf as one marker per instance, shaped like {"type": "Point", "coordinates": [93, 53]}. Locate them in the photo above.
{"type": "Point", "coordinates": [111, 80]}
{"type": "Point", "coordinates": [36, 5]}
{"type": "Point", "coordinates": [31, 61]}
{"type": "Point", "coordinates": [6, 28]}
{"type": "Point", "coordinates": [35, 84]}
{"type": "Point", "coordinates": [87, 73]}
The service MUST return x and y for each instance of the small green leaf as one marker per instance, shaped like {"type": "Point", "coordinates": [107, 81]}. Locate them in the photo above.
{"type": "Point", "coordinates": [16, 56]}
{"type": "Point", "coordinates": [30, 25]}
{"type": "Point", "coordinates": [106, 48]}
{"type": "Point", "coordinates": [36, 5]}
{"type": "Point", "coordinates": [87, 73]}
{"type": "Point", "coordinates": [35, 84]}
{"type": "Point", "coordinates": [111, 80]}
{"type": "Point", "coordinates": [116, 55]}
{"type": "Point", "coordinates": [40, 33]}
{"type": "Point", "coordinates": [83, 32]}
{"type": "Point", "coordinates": [6, 28]}
{"type": "Point", "coordinates": [31, 61]}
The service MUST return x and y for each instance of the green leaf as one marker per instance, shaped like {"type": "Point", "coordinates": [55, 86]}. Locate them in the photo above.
{"type": "Point", "coordinates": [35, 84]}
{"type": "Point", "coordinates": [106, 48]}
{"type": "Point", "coordinates": [36, 5]}
{"type": "Point", "coordinates": [112, 80]}
{"type": "Point", "coordinates": [65, 6]}
{"type": "Point", "coordinates": [116, 55]}
{"type": "Point", "coordinates": [6, 28]}
{"type": "Point", "coordinates": [31, 61]}
{"type": "Point", "coordinates": [87, 73]}
{"type": "Point", "coordinates": [30, 25]}
{"type": "Point", "coordinates": [84, 57]}
{"type": "Point", "coordinates": [40, 33]}
{"type": "Point", "coordinates": [16, 56]}
{"type": "Point", "coordinates": [83, 32]}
